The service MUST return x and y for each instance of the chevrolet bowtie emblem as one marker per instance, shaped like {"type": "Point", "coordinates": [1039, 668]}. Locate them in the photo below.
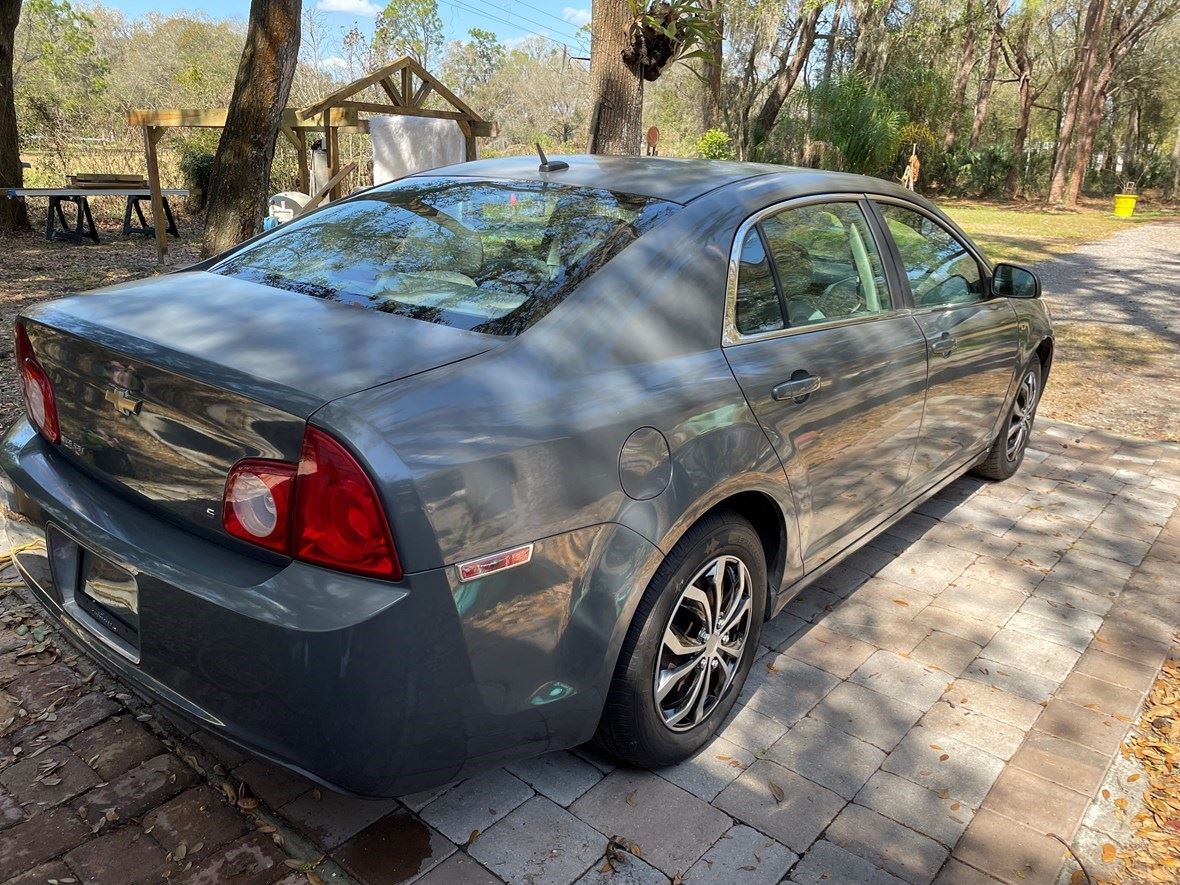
{"type": "Point", "coordinates": [123, 401]}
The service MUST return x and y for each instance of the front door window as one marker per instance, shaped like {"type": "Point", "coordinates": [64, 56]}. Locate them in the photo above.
{"type": "Point", "coordinates": [940, 269]}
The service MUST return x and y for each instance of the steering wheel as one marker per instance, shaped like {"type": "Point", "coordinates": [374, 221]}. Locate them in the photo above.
{"type": "Point", "coordinates": [523, 275]}
{"type": "Point", "coordinates": [843, 298]}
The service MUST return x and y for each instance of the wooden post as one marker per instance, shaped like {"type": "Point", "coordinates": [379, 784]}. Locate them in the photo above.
{"type": "Point", "coordinates": [468, 139]}
{"type": "Point", "coordinates": [332, 144]}
{"type": "Point", "coordinates": [151, 135]}
{"type": "Point", "coordinates": [304, 169]}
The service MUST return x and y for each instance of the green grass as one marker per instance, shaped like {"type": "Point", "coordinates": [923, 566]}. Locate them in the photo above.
{"type": "Point", "coordinates": [1028, 235]}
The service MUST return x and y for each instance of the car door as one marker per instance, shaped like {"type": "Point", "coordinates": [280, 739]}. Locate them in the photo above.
{"type": "Point", "coordinates": [830, 361]}
{"type": "Point", "coordinates": [973, 338]}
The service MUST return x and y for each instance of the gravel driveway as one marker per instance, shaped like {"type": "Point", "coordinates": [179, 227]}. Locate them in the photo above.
{"type": "Point", "coordinates": [1116, 305]}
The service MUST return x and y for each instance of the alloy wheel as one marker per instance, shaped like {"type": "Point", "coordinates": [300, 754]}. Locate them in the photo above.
{"type": "Point", "coordinates": [1020, 422]}
{"type": "Point", "coordinates": [703, 643]}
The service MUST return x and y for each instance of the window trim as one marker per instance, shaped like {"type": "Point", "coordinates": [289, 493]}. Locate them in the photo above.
{"type": "Point", "coordinates": [730, 335]}
{"type": "Point", "coordinates": [960, 237]}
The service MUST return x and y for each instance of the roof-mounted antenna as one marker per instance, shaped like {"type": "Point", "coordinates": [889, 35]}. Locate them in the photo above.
{"type": "Point", "coordinates": [546, 165]}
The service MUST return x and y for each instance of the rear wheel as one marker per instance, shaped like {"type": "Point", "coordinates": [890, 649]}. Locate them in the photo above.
{"type": "Point", "coordinates": [690, 645]}
{"type": "Point", "coordinates": [1008, 450]}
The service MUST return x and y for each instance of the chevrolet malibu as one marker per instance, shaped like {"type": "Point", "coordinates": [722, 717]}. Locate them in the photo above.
{"type": "Point", "coordinates": [496, 460]}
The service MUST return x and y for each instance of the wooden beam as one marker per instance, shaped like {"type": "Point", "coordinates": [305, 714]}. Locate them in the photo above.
{"type": "Point", "coordinates": [331, 185]}
{"type": "Point", "coordinates": [421, 93]}
{"type": "Point", "coordinates": [333, 98]}
{"type": "Point", "coordinates": [391, 91]}
{"type": "Point", "coordinates": [407, 84]}
{"type": "Point", "coordinates": [151, 136]}
{"type": "Point", "coordinates": [214, 118]}
{"type": "Point", "coordinates": [290, 135]}
{"type": "Point", "coordinates": [482, 128]}
{"type": "Point", "coordinates": [442, 90]}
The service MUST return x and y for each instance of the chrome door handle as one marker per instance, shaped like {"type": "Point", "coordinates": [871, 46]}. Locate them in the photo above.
{"type": "Point", "coordinates": [944, 344]}
{"type": "Point", "coordinates": [796, 388]}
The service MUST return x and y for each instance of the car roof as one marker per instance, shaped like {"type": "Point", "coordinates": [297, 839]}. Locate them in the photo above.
{"type": "Point", "coordinates": [663, 178]}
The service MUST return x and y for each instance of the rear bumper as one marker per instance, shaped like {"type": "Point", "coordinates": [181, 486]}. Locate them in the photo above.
{"type": "Point", "coordinates": [369, 687]}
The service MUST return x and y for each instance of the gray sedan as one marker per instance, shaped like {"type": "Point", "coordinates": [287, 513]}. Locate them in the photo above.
{"type": "Point", "coordinates": [496, 460]}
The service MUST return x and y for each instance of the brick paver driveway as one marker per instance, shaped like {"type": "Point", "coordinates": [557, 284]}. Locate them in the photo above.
{"type": "Point", "coordinates": [941, 707]}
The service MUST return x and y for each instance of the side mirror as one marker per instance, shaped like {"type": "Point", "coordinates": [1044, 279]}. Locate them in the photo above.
{"type": "Point", "coordinates": [1013, 281]}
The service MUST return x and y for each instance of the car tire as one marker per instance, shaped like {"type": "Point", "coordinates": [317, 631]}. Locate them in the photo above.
{"type": "Point", "coordinates": [1007, 451]}
{"type": "Point", "coordinates": [640, 727]}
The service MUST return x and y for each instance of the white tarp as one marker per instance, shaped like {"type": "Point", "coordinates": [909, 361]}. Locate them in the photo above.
{"type": "Point", "coordinates": [405, 145]}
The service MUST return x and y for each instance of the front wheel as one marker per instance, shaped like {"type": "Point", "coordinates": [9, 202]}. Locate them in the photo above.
{"type": "Point", "coordinates": [1008, 450]}
{"type": "Point", "coordinates": [690, 645]}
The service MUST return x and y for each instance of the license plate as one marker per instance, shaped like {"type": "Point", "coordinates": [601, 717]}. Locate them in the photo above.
{"type": "Point", "coordinates": [110, 595]}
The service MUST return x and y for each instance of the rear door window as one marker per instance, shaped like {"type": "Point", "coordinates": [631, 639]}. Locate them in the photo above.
{"type": "Point", "coordinates": [827, 262]}
{"type": "Point", "coordinates": [490, 256]}
{"type": "Point", "coordinates": [758, 308]}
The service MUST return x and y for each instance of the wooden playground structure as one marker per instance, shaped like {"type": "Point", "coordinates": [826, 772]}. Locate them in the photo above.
{"type": "Point", "coordinates": [406, 85]}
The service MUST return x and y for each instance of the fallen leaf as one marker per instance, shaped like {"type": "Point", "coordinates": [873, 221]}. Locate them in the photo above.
{"type": "Point", "coordinates": [944, 757]}
{"type": "Point", "coordinates": [631, 797]}
{"type": "Point", "coordinates": [777, 792]}
{"type": "Point", "coordinates": [474, 835]}
{"type": "Point", "coordinates": [1108, 852]}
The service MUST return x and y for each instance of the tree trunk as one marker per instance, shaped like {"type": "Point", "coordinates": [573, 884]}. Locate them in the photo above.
{"type": "Point", "coordinates": [833, 40]}
{"type": "Point", "coordinates": [989, 75]}
{"type": "Point", "coordinates": [711, 97]}
{"type": "Point", "coordinates": [1080, 93]}
{"type": "Point", "coordinates": [1131, 138]}
{"type": "Point", "coordinates": [1024, 114]}
{"type": "Point", "coordinates": [240, 181]}
{"type": "Point", "coordinates": [788, 73]}
{"type": "Point", "coordinates": [1176, 163]}
{"type": "Point", "coordinates": [1089, 121]}
{"type": "Point", "coordinates": [616, 89]}
{"type": "Point", "coordinates": [959, 90]}
{"type": "Point", "coordinates": [12, 212]}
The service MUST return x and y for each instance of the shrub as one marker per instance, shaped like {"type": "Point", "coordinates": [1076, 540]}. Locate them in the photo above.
{"type": "Point", "coordinates": [715, 144]}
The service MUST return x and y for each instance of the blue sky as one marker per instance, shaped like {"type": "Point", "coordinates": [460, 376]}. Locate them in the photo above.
{"type": "Point", "coordinates": [512, 20]}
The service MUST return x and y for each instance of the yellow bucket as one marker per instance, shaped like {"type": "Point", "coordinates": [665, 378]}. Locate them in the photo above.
{"type": "Point", "coordinates": [1124, 205]}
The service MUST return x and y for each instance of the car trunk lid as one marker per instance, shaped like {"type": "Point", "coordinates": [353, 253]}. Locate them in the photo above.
{"type": "Point", "coordinates": [162, 385]}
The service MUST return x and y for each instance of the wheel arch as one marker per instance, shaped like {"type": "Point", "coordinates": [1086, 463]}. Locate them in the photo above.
{"type": "Point", "coordinates": [1044, 353]}
{"type": "Point", "coordinates": [769, 519]}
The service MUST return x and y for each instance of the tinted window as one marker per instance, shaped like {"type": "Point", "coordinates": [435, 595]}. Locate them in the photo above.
{"type": "Point", "coordinates": [493, 256]}
{"type": "Point", "coordinates": [940, 269]}
{"type": "Point", "coordinates": [827, 262]}
{"type": "Point", "coordinates": [758, 308]}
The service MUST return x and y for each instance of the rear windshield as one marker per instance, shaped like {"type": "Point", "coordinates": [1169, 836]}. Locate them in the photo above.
{"type": "Point", "coordinates": [491, 256]}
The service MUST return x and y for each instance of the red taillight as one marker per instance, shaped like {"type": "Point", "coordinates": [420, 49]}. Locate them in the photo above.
{"type": "Point", "coordinates": [36, 388]}
{"type": "Point", "coordinates": [258, 502]}
{"type": "Point", "coordinates": [324, 510]}
{"type": "Point", "coordinates": [339, 521]}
